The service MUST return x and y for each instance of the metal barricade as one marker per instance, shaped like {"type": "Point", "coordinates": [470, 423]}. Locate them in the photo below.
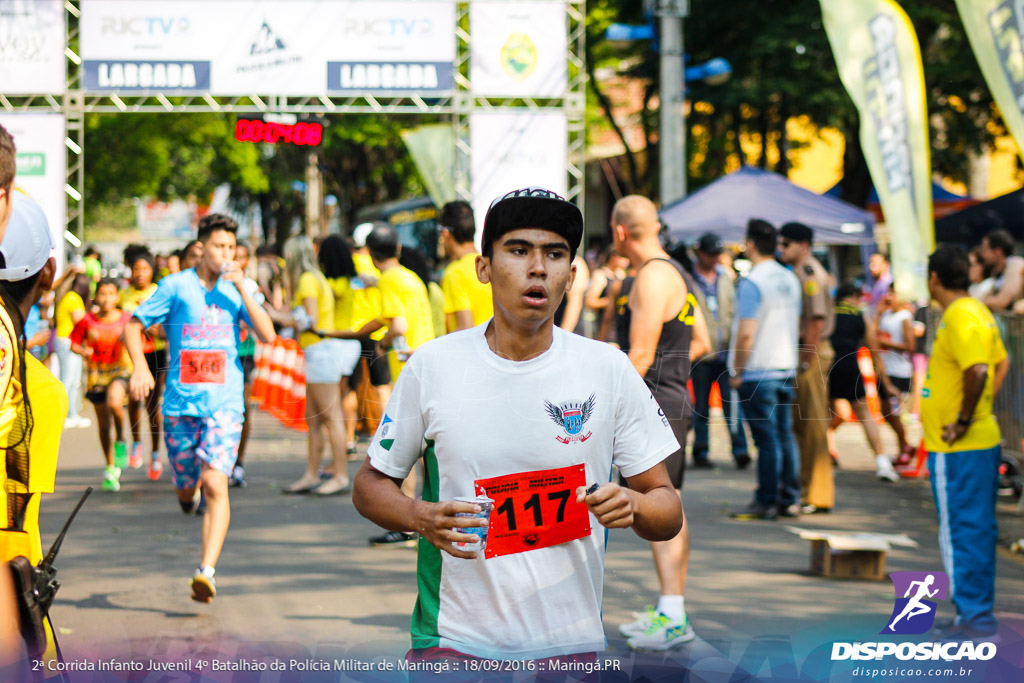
{"type": "Point", "coordinates": [1009, 404]}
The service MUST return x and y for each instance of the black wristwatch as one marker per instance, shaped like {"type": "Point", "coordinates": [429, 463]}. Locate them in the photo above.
{"type": "Point", "coordinates": [962, 422]}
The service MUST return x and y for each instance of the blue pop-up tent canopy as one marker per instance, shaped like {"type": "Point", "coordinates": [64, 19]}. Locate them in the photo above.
{"type": "Point", "coordinates": [939, 194]}
{"type": "Point", "coordinates": [727, 205]}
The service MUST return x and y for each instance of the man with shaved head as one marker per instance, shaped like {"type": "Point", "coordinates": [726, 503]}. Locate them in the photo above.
{"type": "Point", "coordinates": [661, 328]}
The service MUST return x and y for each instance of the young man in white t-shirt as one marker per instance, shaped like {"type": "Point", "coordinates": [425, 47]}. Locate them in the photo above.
{"type": "Point", "coordinates": [532, 416]}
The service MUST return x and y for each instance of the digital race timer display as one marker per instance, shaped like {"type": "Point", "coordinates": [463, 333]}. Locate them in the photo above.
{"type": "Point", "coordinates": [302, 133]}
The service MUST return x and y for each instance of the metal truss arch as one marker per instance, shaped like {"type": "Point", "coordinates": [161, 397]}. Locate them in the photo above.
{"type": "Point", "coordinates": [76, 103]}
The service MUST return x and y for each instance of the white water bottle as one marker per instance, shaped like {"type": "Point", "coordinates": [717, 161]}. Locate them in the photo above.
{"type": "Point", "coordinates": [400, 345]}
{"type": "Point", "coordinates": [301, 318]}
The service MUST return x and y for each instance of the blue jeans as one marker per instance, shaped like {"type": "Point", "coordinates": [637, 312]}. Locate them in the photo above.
{"type": "Point", "coordinates": [70, 373]}
{"type": "Point", "coordinates": [767, 408]}
{"type": "Point", "coordinates": [705, 374]}
{"type": "Point", "coordinates": [965, 485]}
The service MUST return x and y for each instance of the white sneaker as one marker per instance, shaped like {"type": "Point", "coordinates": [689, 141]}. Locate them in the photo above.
{"type": "Point", "coordinates": [204, 586]}
{"type": "Point", "coordinates": [884, 469]}
{"type": "Point", "coordinates": [663, 634]}
{"type": "Point", "coordinates": [642, 621]}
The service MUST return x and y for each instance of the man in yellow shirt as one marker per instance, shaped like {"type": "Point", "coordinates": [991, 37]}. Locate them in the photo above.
{"type": "Point", "coordinates": [965, 372]}
{"type": "Point", "coordinates": [405, 311]}
{"type": "Point", "coordinates": [365, 309]}
{"type": "Point", "coordinates": [365, 326]}
{"type": "Point", "coordinates": [404, 304]}
{"type": "Point", "coordinates": [467, 301]}
{"type": "Point", "coordinates": [361, 255]}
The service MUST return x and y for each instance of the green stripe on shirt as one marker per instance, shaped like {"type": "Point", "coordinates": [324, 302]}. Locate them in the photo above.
{"type": "Point", "coordinates": [428, 567]}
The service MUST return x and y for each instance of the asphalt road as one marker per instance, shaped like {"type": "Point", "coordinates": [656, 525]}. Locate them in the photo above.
{"type": "Point", "coordinates": [297, 578]}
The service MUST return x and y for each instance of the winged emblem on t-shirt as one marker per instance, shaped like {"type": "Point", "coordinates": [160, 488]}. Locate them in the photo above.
{"type": "Point", "coordinates": [571, 417]}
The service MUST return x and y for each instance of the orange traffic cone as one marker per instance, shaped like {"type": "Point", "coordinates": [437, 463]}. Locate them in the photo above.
{"type": "Point", "coordinates": [867, 371]}
{"type": "Point", "coordinates": [259, 382]}
{"type": "Point", "coordinates": [715, 397]}
{"type": "Point", "coordinates": [279, 408]}
{"type": "Point", "coordinates": [297, 406]}
{"type": "Point", "coordinates": [919, 468]}
{"type": "Point", "coordinates": [274, 376]}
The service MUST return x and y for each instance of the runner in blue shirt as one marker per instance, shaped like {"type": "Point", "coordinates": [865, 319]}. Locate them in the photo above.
{"type": "Point", "coordinates": [200, 309]}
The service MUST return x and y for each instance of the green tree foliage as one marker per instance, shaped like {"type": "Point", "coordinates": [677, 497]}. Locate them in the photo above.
{"type": "Point", "coordinates": [783, 67]}
{"type": "Point", "coordinates": [168, 156]}
{"type": "Point", "coordinates": [362, 160]}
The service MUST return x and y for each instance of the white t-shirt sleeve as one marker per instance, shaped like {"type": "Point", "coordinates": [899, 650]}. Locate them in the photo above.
{"type": "Point", "coordinates": [399, 442]}
{"type": "Point", "coordinates": [643, 437]}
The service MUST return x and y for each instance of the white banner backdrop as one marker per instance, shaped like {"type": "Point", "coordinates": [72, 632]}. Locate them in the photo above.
{"type": "Point", "coordinates": [32, 47]}
{"type": "Point", "coordinates": [39, 139]}
{"type": "Point", "coordinates": [513, 151]}
{"type": "Point", "coordinates": [164, 221]}
{"type": "Point", "coordinates": [302, 47]}
{"type": "Point", "coordinates": [519, 49]}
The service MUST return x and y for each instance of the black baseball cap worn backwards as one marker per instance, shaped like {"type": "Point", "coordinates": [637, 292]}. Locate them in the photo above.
{"type": "Point", "coordinates": [533, 207]}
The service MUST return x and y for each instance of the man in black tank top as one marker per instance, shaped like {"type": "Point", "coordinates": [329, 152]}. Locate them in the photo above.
{"type": "Point", "coordinates": [660, 327]}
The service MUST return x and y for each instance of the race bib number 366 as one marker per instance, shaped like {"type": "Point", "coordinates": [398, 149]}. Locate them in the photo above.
{"type": "Point", "coordinates": [534, 510]}
{"type": "Point", "coordinates": [203, 366]}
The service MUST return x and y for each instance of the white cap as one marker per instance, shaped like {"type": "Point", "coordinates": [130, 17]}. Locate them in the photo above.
{"type": "Point", "coordinates": [28, 242]}
{"type": "Point", "coordinates": [360, 233]}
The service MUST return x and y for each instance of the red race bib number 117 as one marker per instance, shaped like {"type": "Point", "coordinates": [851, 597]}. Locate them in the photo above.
{"type": "Point", "coordinates": [534, 510]}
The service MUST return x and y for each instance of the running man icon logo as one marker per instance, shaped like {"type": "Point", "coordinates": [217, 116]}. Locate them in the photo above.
{"type": "Point", "coordinates": [914, 612]}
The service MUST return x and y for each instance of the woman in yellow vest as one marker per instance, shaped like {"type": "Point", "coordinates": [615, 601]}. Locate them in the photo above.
{"type": "Point", "coordinates": [338, 266]}
{"type": "Point", "coordinates": [327, 361]}
{"type": "Point", "coordinates": [416, 261]}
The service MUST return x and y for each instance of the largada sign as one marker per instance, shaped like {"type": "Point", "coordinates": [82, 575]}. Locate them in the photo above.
{"type": "Point", "coordinates": [300, 47]}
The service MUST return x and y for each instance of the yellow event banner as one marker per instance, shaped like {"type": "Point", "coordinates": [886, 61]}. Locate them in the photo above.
{"type": "Point", "coordinates": [994, 28]}
{"type": "Point", "coordinates": [879, 62]}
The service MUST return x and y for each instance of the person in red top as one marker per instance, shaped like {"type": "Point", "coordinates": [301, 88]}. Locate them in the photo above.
{"type": "Point", "coordinates": [97, 337]}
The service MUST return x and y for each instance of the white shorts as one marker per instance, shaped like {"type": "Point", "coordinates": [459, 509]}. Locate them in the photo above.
{"type": "Point", "coordinates": [329, 360]}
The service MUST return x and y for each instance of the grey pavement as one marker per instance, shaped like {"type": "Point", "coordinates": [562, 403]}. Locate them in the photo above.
{"type": "Point", "coordinates": [297, 576]}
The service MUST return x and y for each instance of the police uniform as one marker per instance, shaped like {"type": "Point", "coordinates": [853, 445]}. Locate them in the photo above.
{"type": "Point", "coordinates": [812, 416]}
